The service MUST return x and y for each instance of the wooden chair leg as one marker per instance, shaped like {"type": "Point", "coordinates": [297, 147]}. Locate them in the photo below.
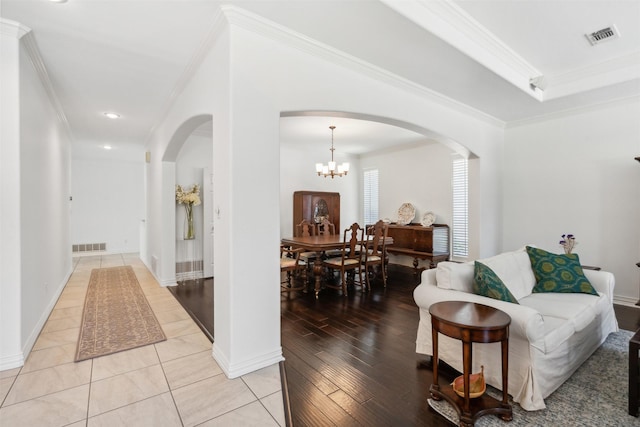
{"type": "Point", "coordinates": [366, 276]}
{"type": "Point", "coordinates": [343, 277]}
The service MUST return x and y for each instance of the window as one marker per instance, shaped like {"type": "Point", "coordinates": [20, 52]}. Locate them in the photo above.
{"type": "Point", "coordinates": [371, 196]}
{"type": "Point", "coordinates": [460, 184]}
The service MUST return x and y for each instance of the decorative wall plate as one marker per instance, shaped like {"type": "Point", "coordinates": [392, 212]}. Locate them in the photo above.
{"type": "Point", "coordinates": [428, 218]}
{"type": "Point", "coordinates": [406, 214]}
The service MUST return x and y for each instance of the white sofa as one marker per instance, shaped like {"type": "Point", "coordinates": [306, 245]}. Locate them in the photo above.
{"type": "Point", "coordinates": [550, 336]}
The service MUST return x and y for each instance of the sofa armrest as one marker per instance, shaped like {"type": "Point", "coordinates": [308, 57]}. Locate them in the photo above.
{"type": "Point", "coordinates": [602, 281]}
{"type": "Point", "coordinates": [526, 323]}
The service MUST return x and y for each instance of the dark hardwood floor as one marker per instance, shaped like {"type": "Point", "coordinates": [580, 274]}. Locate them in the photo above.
{"type": "Point", "coordinates": [352, 361]}
{"type": "Point", "coordinates": [196, 296]}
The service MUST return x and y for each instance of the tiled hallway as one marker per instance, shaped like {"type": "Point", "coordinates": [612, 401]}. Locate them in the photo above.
{"type": "Point", "coordinates": [172, 383]}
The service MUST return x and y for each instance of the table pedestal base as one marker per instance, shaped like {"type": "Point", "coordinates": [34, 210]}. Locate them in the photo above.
{"type": "Point", "coordinates": [478, 407]}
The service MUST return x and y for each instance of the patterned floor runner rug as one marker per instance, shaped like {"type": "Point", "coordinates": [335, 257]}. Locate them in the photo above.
{"type": "Point", "coordinates": [116, 315]}
{"type": "Point", "coordinates": [595, 395]}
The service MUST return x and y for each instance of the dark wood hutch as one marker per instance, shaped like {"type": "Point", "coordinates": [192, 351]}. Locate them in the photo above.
{"type": "Point", "coordinates": [314, 205]}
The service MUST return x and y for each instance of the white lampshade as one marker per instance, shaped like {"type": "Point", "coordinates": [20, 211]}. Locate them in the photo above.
{"type": "Point", "coordinates": [318, 167]}
{"type": "Point", "coordinates": [332, 166]}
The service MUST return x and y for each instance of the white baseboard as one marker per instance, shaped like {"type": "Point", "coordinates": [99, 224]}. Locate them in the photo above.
{"type": "Point", "coordinates": [33, 336]}
{"type": "Point", "coordinates": [18, 359]}
{"type": "Point", "coordinates": [628, 301]}
{"type": "Point", "coordinates": [167, 282]}
{"type": "Point", "coordinates": [239, 369]}
{"type": "Point", "coordinates": [161, 282]}
{"type": "Point", "coordinates": [12, 361]}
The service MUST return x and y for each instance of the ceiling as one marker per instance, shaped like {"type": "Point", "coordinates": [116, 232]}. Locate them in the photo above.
{"type": "Point", "coordinates": [128, 56]}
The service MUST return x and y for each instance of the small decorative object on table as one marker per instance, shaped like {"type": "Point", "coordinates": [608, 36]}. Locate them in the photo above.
{"type": "Point", "coordinates": [477, 385]}
{"type": "Point", "coordinates": [406, 213]}
{"type": "Point", "coordinates": [189, 199]}
{"type": "Point", "coordinates": [428, 218]}
{"type": "Point", "coordinates": [568, 242]}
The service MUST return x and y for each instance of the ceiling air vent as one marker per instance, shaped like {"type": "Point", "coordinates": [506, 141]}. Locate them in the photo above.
{"type": "Point", "coordinates": [603, 35]}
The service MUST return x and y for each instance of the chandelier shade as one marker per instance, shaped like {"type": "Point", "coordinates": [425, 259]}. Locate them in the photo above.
{"type": "Point", "coordinates": [332, 169]}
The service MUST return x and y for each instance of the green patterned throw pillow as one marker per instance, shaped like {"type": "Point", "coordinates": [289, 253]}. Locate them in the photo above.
{"type": "Point", "coordinates": [487, 283]}
{"type": "Point", "coordinates": [558, 273]}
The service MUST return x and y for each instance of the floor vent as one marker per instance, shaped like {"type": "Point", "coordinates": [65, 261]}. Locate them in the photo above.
{"type": "Point", "coordinates": [89, 247]}
{"type": "Point", "coordinates": [603, 35]}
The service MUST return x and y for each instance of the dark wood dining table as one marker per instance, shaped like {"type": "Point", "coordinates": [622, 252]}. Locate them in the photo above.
{"type": "Point", "coordinates": [319, 245]}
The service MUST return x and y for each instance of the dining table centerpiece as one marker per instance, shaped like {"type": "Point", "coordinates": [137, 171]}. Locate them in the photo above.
{"type": "Point", "coordinates": [189, 199]}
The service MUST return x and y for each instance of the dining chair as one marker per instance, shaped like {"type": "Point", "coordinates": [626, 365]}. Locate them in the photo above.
{"type": "Point", "coordinates": [326, 227]}
{"type": "Point", "coordinates": [294, 267]}
{"type": "Point", "coordinates": [350, 259]}
{"type": "Point", "coordinates": [306, 229]}
{"type": "Point", "coordinates": [375, 254]}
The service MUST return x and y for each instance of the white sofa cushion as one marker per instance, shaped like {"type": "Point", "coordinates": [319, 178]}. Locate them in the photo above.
{"type": "Point", "coordinates": [456, 276]}
{"type": "Point", "coordinates": [579, 309]}
{"type": "Point", "coordinates": [514, 269]}
{"type": "Point", "coordinates": [556, 331]}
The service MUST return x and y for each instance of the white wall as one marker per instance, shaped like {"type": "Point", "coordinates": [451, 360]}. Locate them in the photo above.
{"type": "Point", "coordinates": [35, 186]}
{"type": "Point", "coordinates": [416, 174]}
{"type": "Point", "coordinates": [195, 155]}
{"type": "Point", "coordinates": [271, 76]}
{"type": "Point", "coordinates": [420, 175]}
{"type": "Point", "coordinates": [298, 173]}
{"type": "Point", "coordinates": [576, 173]}
{"type": "Point", "coordinates": [11, 354]}
{"type": "Point", "coordinates": [108, 201]}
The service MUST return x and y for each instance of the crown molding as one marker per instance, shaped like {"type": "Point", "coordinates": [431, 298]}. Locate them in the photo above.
{"type": "Point", "coordinates": [617, 70]}
{"type": "Point", "coordinates": [452, 24]}
{"type": "Point", "coordinates": [12, 28]}
{"type": "Point", "coordinates": [573, 111]}
{"type": "Point", "coordinates": [259, 25]}
{"type": "Point", "coordinates": [33, 52]}
{"type": "Point", "coordinates": [25, 35]}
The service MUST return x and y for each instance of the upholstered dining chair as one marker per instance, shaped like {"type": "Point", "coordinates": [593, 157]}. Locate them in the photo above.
{"type": "Point", "coordinates": [350, 259]}
{"type": "Point", "coordinates": [375, 254]}
{"type": "Point", "coordinates": [294, 267]}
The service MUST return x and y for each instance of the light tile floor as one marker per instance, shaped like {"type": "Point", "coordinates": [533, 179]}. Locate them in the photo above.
{"type": "Point", "coordinates": [173, 383]}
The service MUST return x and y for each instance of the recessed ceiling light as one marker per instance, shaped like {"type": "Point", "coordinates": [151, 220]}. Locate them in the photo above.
{"type": "Point", "coordinates": [107, 147]}
{"type": "Point", "coordinates": [112, 115]}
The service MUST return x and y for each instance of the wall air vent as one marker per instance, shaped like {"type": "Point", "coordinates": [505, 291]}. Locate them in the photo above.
{"type": "Point", "coordinates": [603, 35]}
{"type": "Point", "coordinates": [89, 247]}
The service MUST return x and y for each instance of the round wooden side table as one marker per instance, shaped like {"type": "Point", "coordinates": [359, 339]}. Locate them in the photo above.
{"type": "Point", "coordinates": [471, 322]}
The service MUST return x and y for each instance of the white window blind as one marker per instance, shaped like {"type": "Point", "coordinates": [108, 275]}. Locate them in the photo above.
{"type": "Point", "coordinates": [460, 184]}
{"type": "Point", "coordinates": [371, 196]}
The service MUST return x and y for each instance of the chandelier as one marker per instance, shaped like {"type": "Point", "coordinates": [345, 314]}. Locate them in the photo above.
{"type": "Point", "coordinates": [332, 169]}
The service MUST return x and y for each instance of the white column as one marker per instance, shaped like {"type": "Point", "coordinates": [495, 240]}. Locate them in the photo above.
{"type": "Point", "coordinates": [11, 355]}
